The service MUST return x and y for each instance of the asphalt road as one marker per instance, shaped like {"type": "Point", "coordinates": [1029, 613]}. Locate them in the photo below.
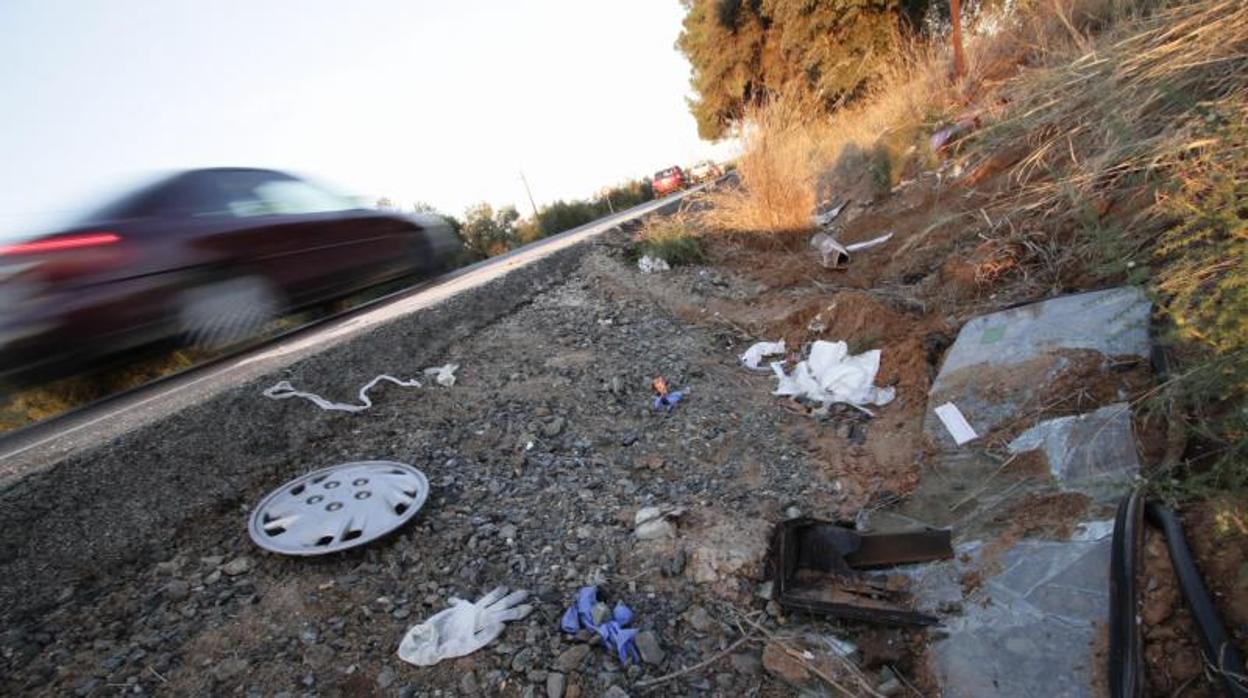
{"type": "Point", "coordinates": [47, 442]}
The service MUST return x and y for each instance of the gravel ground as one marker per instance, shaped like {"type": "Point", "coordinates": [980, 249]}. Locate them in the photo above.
{"type": "Point", "coordinates": [538, 459]}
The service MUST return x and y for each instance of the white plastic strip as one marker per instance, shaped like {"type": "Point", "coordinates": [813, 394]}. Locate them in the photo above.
{"type": "Point", "coordinates": [956, 423]}
{"type": "Point", "coordinates": [284, 390]}
{"type": "Point", "coordinates": [867, 244]}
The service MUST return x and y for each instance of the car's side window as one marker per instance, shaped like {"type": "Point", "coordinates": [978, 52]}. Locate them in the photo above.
{"type": "Point", "coordinates": [219, 195]}
{"type": "Point", "coordinates": [292, 196]}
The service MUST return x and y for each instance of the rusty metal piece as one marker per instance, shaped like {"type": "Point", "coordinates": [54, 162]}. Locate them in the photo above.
{"type": "Point", "coordinates": [816, 566]}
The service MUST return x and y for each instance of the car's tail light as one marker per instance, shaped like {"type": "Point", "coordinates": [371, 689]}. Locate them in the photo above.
{"type": "Point", "coordinates": [63, 242]}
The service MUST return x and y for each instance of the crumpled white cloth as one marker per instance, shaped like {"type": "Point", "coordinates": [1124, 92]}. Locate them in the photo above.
{"type": "Point", "coordinates": [463, 628]}
{"type": "Point", "coordinates": [831, 374]}
{"type": "Point", "coordinates": [754, 355]}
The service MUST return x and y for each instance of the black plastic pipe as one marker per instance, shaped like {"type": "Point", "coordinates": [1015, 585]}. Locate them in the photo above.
{"type": "Point", "coordinates": [1219, 650]}
{"type": "Point", "coordinates": [1126, 649]}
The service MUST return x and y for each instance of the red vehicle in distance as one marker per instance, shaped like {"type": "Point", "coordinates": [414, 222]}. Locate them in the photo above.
{"type": "Point", "coordinates": [668, 181]}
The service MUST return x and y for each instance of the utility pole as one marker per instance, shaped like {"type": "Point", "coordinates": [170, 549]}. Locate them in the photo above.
{"type": "Point", "coordinates": [530, 193]}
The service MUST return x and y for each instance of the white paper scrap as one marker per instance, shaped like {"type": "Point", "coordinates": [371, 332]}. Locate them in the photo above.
{"type": "Point", "coordinates": [958, 427]}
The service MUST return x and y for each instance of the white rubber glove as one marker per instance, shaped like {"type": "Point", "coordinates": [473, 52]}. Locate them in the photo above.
{"type": "Point", "coordinates": [463, 628]}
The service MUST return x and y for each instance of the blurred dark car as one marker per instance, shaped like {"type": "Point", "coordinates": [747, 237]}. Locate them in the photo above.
{"type": "Point", "coordinates": [667, 181]}
{"type": "Point", "coordinates": [206, 257]}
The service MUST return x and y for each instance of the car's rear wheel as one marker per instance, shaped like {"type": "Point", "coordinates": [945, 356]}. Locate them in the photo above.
{"type": "Point", "coordinates": [222, 312]}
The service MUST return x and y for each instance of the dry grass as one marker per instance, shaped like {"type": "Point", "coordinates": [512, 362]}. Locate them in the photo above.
{"type": "Point", "coordinates": [788, 155]}
{"type": "Point", "coordinates": [674, 239]}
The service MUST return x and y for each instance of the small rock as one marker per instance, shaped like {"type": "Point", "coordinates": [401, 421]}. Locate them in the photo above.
{"type": "Point", "coordinates": [675, 565]}
{"type": "Point", "coordinates": [699, 619]}
{"type": "Point", "coordinates": [229, 668]}
{"type": "Point", "coordinates": [615, 692]}
{"type": "Point", "coordinates": [385, 678]}
{"type": "Point", "coordinates": [600, 613]}
{"type": "Point", "coordinates": [890, 687]}
{"type": "Point", "coordinates": [468, 684]}
{"type": "Point", "coordinates": [555, 683]}
{"type": "Point", "coordinates": [168, 568]}
{"type": "Point", "coordinates": [746, 663]}
{"type": "Point", "coordinates": [237, 566]}
{"type": "Point", "coordinates": [571, 658]}
{"type": "Point", "coordinates": [648, 645]}
{"type": "Point", "coordinates": [654, 529]}
{"type": "Point", "coordinates": [177, 590]}
{"type": "Point", "coordinates": [318, 656]}
{"type": "Point", "coordinates": [523, 661]}
{"type": "Point", "coordinates": [553, 427]}
{"type": "Point", "coordinates": [212, 561]}
{"type": "Point", "coordinates": [766, 590]}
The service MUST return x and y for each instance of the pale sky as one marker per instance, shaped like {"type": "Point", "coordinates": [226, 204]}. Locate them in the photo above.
{"type": "Point", "coordinates": [441, 101]}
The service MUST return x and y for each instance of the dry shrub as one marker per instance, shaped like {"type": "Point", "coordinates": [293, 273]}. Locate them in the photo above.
{"type": "Point", "coordinates": [788, 152]}
{"type": "Point", "coordinates": [671, 238]}
{"type": "Point", "coordinates": [778, 173]}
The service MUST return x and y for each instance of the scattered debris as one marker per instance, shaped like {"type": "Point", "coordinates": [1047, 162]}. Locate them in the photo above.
{"type": "Point", "coordinates": [337, 508]}
{"type": "Point", "coordinates": [832, 255]}
{"type": "Point", "coordinates": [1005, 363]}
{"type": "Point", "coordinates": [590, 614]}
{"type": "Point", "coordinates": [868, 244]}
{"type": "Point", "coordinates": [656, 522]}
{"type": "Point", "coordinates": [463, 628]}
{"type": "Point", "coordinates": [664, 399]}
{"type": "Point", "coordinates": [443, 375]}
{"type": "Point", "coordinates": [1087, 449]}
{"type": "Point", "coordinates": [956, 423]}
{"type": "Point", "coordinates": [816, 566]}
{"type": "Point", "coordinates": [831, 374]}
{"type": "Point", "coordinates": [650, 265]}
{"type": "Point", "coordinates": [823, 219]}
{"type": "Point", "coordinates": [753, 357]}
{"type": "Point", "coordinates": [283, 390]}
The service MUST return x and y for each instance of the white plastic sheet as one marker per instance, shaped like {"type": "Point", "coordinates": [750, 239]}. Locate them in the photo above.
{"type": "Point", "coordinates": [831, 374]}
{"type": "Point", "coordinates": [463, 628]}
{"type": "Point", "coordinates": [753, 357]}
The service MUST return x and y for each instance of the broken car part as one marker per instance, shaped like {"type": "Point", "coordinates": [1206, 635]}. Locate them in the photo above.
{"type": "Point", "coordinates": [463, 628]}
{"type": "Point", "coordinates": [817, 566]}
{"type": "Point", "coordinates": [338, 507]}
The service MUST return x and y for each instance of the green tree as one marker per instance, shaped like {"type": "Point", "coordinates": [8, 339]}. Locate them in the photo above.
{"type": "Point", "coordinates": [744, 52]}
{"type": "Point", "coordinates": [487, 232]}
